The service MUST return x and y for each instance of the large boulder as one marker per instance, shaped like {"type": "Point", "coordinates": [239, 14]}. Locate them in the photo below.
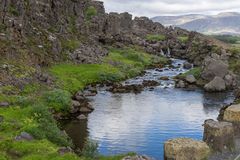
{"type": "Point", "coordinates": [219, 135]}
{"type": "Point", "coordinates": [185, 149]}
{"type": "Point", "coordinates": [216, 85]}
{"type": "Point", "coordinates": [232, 113]}
{"type": "Point", "coordinates": [213, 68]}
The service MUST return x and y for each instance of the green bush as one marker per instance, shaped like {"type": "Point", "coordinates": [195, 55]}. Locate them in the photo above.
{"type": "Point", "coordinates": [196, 72]}
{"type": "Point", "coordinates": [157, 37]}
{"type": "Point", "coordinates": [58, 99]}
{"type": "Point", "coordinates": [90, 12]}
{"type": "Point", "coordinates": [47, 127]}
{"type": "Point", "coordinates": [90, 149]}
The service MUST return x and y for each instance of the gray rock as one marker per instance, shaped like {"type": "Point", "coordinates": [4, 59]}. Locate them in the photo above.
{"type": "Point", "coordinates": [24, 136]}
{"type": "Point", "coordinates": [190, 79]}
{"type": "Point", "coordinates": [4, 104]}
{"type": "Point", "coordinates": [64, 150]}
{"type": "Point", "coordinates": [180, 84]}
{"type": "Point", "coordinates": [81, 117]}
{"type": "Point", "coordinates": [213, 68]}
{"type": "Point", "coordinates": [85, 110]}
{"type": "Point", "coordinates": [187, 65]}
{"type": "Point", "coordinates": [219, 135]}
{"type": "Point", "coordinates": [230, 81]}
{"type": "Point", "coordinates": [75, 104]}
{"type": "Point", "coordinates": [216, 85]}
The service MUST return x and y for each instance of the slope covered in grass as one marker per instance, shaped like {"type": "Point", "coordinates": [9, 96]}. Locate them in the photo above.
{"type": "Point", "coordinates": [32, 105]}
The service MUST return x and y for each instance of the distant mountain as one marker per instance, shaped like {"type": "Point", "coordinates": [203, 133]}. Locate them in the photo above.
{"type": "Point", "coordinates": [223, 23]}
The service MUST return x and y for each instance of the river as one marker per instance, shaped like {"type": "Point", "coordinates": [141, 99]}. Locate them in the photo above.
{"type": "Point", "coordinates": [142, 122]}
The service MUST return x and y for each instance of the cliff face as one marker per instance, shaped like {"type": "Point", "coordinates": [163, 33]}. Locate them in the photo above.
{"type": "Point", "coordinates": [41, 32]}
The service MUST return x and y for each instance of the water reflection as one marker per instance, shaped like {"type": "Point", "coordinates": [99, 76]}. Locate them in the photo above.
{"type": "Point", "coordinates": [141, 123]}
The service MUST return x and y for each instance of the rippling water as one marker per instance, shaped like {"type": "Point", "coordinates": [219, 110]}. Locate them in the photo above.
{"type": "Point", "coordinates": [141, 123]}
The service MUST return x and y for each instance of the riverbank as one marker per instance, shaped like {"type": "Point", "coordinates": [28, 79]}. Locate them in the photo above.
{"type": "Point", "coordinates": [26, 112]}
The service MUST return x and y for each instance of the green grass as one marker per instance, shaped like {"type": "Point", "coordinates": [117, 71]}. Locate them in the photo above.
{"type": "Point", "coordinates": [119, 65]}
{"type": "Point", "coordinates": [196, 72]}
{"type": "Point", "coordinates": [156, 37]}
{"type": "Point", "coordinates": [31, 104]}
{"type": "Point", "coordinates": [228, 38]}
{"type": "Point", "coordinates": [183, 39]}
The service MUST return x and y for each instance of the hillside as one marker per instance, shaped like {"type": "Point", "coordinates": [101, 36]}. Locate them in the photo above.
{"type": "Point", "coordinates": [223, 23]}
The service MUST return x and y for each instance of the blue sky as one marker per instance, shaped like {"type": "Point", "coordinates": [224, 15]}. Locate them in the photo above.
{"type": "Point", "coordinates": [151, 8]}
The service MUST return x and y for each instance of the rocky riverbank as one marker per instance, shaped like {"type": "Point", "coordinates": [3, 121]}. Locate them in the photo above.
{"type": "Point", "coordinates": [51, 49]}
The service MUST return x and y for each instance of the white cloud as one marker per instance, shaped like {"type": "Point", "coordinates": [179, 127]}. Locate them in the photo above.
{"type": "Point", "coordinates": [152, 8]}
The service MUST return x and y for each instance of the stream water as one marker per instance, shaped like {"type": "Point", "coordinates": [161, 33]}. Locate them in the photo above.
{"type": "Point", "coordinates": [142, 122]}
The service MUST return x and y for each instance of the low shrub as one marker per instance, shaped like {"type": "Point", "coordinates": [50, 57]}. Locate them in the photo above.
{"type": "Point", "coordinates": [90, 12]}
{"type": "Point", "coordinates": [59, 100]}
{"type": "Point", "coordinates": [90, 149]}
{"type": "Point", "coordinates": [46, 127]}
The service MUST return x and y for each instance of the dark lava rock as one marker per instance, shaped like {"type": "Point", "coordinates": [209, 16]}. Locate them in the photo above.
{"type": "Point", "coordinates": [187, 65]}
{"type": "Point", "coordinates": [119, 88]}
{"type": "Point", "coordinates": [164, 78]}
{"type": "Point", "coordinates": [150, 83]}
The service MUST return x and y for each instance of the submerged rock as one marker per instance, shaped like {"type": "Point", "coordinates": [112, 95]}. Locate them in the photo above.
{"type": "Point", "coordinates": [185, 149]}
{"type": "Point", "coordinates": [165, 78]}
{"type": "Point", "coordinates": [219, 135]}
{"type": "Point", "coordinates": [150, 83]}
{"type": "Point", "coordinates": [216, 85]}
{"type": "Point", "coordinates": [119, 88]}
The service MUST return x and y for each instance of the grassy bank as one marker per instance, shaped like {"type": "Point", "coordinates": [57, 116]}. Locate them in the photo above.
{"type": "Point", "coordinates": [31, 105]}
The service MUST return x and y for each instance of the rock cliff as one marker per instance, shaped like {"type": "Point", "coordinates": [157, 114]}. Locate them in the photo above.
{"type": "Point", "coordinates": [41, 32]}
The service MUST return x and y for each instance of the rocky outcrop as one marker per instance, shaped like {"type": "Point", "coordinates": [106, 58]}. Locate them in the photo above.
{"type": "Point", "coordinates": [216, 85]}
{"type": "Point", "coordinates": [214, 68]}
{"type": "Point", "coordinates": [219, 135]}
{"type": "Point", "coordinates": [185, 149]}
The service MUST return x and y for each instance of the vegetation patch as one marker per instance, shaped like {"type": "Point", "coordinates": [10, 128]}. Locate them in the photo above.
{"type": "Point", "coordinates": [196, 72]}
{"type": "Point", "coordinates": [183, 39]}
{"type": "Point", "coordinates": [156, 37]}
{"type": "Point", "coordinates": [228, 38]}
{"type": "Point", "coordinates": [90, 12]}
{"type": "Point", "coordinates": [31, 106]}
{"type": "Point", "coordinates": [118, 65]}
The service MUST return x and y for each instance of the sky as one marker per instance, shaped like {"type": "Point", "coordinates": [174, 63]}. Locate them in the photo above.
{"type": "Point", "coordinates": [151, 8]}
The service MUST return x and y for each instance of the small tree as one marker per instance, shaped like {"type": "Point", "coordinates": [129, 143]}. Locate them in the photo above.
{"type": "Point", "coordinates": [90, 12]}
